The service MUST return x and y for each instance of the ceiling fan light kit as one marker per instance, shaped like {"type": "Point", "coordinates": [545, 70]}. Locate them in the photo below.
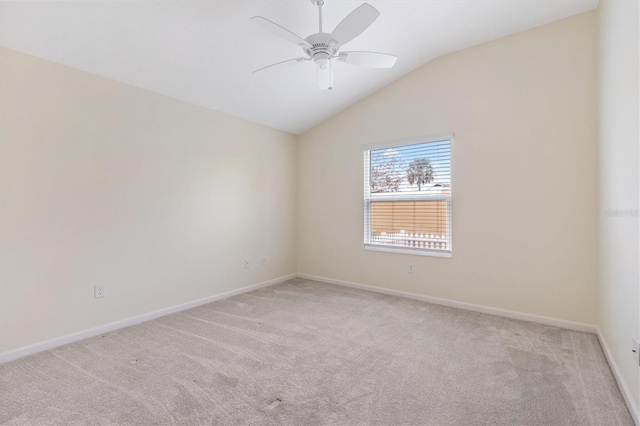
{"type": "Point", "coordinates": [324, 48]}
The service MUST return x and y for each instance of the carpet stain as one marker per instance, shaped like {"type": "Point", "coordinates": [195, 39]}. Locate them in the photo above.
{"type": "Point", "coordinates": [274, 404]}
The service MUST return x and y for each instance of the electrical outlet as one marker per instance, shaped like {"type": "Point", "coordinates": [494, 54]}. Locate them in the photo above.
{"type": "Point", "coordinates": [411, 269]}
{"type": "Point", "coordinates": [635, 348]}
{"type": "Point", "coordinates": [247, 264]}
{"type": "Point", "coordinates": [263, 261]}
{"type": "Point", "coordinates": [99, 291]}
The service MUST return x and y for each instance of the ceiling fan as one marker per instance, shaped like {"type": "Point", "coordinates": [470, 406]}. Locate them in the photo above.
{"type": "Point", "coordinates": [323, 48]}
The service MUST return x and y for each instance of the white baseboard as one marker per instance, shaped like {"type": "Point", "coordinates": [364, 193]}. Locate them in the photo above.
{"type": "Point", "coordinates": [74, 337]}
{"type": "Point", "coordinates": [624, 389]}
{"type": "Point", "coordinates": [460, 305]}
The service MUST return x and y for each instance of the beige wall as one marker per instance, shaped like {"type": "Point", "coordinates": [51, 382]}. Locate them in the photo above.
{"type": "Point", "coordinates": [619, 256]}
{"type": "Point", "coordinates": [523, 110]}
{"type": "Point", "coordinates": [104, 183]}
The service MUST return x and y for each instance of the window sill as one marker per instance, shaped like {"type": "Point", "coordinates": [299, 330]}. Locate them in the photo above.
{"type": "Point", "coordinates": [407, 250]}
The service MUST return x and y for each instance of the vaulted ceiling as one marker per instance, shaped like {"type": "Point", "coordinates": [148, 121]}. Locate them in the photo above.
{"type": "Point", "coordinates": [204, 52]}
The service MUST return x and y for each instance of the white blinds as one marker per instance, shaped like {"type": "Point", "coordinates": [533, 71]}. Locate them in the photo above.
{"type": "Point", "coordinates": [408, 196]}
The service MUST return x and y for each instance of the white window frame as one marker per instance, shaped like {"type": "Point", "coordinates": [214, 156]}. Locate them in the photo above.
{"type": "Point", "coordinates": [368, 197]}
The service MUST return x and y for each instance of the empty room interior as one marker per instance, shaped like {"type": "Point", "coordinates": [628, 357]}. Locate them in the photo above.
{"type": "Point", "coordinates": [327, 212]}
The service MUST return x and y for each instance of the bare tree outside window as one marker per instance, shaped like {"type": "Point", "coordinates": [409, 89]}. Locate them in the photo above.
{"type": "Point", "coordinates": [386, 173]}
{"type": "Point", "coordinates": [420, 172]}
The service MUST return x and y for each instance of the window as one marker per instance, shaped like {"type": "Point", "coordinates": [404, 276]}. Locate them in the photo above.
{"type": "Point", "coordinates": [407, 197]}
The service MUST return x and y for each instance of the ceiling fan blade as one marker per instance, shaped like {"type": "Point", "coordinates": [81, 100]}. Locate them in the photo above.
{"type": "Point", "coordinates": [280, 31]}
{"type": "Point", "coordinates": [302, 58]}
{"type": "Point", "coordinates": [325, 77]}
{"type": "Point", "coordinates": [355, 23]}
{"type": "Point", "coordinates": [368, 59]}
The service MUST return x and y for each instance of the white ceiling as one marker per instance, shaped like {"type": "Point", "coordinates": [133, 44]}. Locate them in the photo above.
{"type": "Point", "coordinates": [204, 52]}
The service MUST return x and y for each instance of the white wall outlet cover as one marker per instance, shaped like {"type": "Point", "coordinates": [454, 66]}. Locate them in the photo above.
{"type": "Point", "coordinates": [99, 291]}
{"type": "Point", "coordinates": [635, 348]}
{"type": "Point", "coordinates": [247, 264]}
{"type": "Point", "coordinates": [264, 260]}
{"type": "Point", "coordinates": [411, 269]}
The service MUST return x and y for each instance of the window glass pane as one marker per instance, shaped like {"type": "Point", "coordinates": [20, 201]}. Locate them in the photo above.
{"type": "Point", "coordinates": [411, 168]}
{"type": "Point", "coordinates": [408, 196]}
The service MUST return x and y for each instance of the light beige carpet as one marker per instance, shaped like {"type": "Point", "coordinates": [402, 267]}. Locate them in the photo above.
{"type": "Point", "coordinates": [310, 353]}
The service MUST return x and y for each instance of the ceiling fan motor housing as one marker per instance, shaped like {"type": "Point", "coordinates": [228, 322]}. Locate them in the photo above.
{"type": "Point", "coordinates": [322, 49]}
